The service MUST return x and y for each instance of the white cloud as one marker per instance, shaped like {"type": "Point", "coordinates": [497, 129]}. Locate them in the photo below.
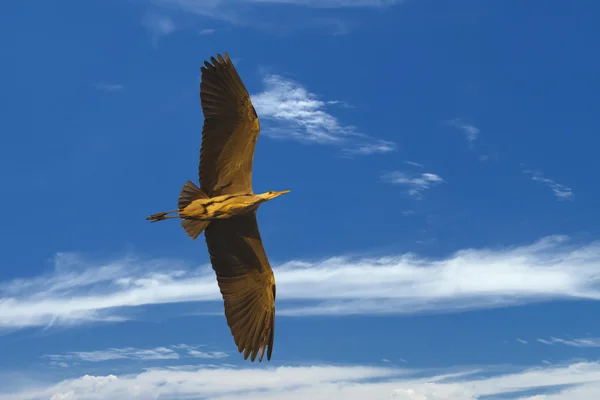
{"type": "Point", "coordinates": [416, 183]}
{"type": "Point", "coordinates": [288, 110]}
{"type": "Point", "coordinates": [287, 101]}
{"type": "Point", "coordinates": [339, 103]}
{"type": "Point", "coordinates": [580, 342]}
{"type": "Point", "coordinates": [78, 291]}
{"type": "Point", "coordinates": [207, 31]}
{"type": "Point", "coordinates": [564, 382]}
{"type": "Point", "coordinates": [561, 192]}
{"type": "Point", "coordinates": [522, 341]}
{"type": "Point", "coordinates": [470, 131]}
{"type": "Point", "coordinates": [108, 87]}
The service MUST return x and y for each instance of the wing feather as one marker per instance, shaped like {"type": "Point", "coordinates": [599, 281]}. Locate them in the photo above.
{"type": "Point", "coordinates": [246, 282]}
{"type": "Point", "coordinates": [230, 130]}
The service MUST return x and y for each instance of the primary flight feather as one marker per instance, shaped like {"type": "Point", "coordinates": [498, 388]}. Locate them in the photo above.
{"type": "Point", "coordinates": [224, 208]}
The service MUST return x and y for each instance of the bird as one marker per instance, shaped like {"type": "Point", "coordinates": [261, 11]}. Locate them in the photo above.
{"type": "Point", "coordinates": [224, 207]}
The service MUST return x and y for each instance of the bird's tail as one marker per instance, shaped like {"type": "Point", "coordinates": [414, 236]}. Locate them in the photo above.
{"type": "Point", "coordinates": [192, 226]}
{"type": "Point", "coordinates": [161, 216]}
{"type": "Point", "coordinates": [189, 193]}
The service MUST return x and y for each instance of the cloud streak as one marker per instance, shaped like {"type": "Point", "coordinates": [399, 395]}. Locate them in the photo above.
{"type": "Point", "coordinates": [560, 191]}
{"type": "Point", "coordinates": [581, 342]}
{"type": "Point", "coordinates": [108, 87]}
{"type": "Point", "coordinates": [352, 382]}
{"type": "Point", "coordinates": [289, 111]}
{"type": "Point", "coordinates": [416, 183]}
{"type": "Point", "coordinates": [414, 164]}
{"type": "Point", "coordinates": [132, 353]}
{"type": "Point", "coordinates": [79, 291]}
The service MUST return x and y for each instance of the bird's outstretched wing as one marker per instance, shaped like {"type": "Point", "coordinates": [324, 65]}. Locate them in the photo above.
{"type": "Point", "coordinates": [246, 281]}
{"type": "Point", "coordinates": [230, 130]}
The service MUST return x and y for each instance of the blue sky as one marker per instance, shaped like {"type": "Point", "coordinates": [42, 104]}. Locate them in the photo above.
{"type": "Point", "coordinates": [440, 240]}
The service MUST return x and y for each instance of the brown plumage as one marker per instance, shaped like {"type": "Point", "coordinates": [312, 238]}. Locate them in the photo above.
{"type": "Point", "coordinates": [224, 208]}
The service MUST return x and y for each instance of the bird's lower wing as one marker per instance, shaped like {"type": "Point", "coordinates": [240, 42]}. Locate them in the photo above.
{"type": "Point", "coordinates": [246, 281]}
{"type": "Point", "coordinates": [250, 313]}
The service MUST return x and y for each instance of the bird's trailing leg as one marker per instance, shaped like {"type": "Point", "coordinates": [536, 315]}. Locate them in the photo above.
{"type": "Point", "coordinates": [162, 216]}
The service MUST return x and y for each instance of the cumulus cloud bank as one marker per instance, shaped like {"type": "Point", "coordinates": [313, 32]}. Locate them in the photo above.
{"type": "Point", "coordinates": [323, 382]}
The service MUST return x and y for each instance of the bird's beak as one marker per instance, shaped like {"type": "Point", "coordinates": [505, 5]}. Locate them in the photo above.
{"type": "Point", "coordinates": [277, 194]}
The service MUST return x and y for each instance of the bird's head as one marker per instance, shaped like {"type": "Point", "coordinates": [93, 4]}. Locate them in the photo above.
{"type": "Point", "coordinates": [272, 194]}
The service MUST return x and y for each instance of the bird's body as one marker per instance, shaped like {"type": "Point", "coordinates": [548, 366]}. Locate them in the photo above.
{"type": "Point", "coordinates": [224, 207]}
{"type": "Point", "coordinates": [220, 207]}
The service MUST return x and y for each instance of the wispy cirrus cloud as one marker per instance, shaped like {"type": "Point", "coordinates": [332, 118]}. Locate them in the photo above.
{"type": "Point", "coordinates": [416, 183]}
{"type": "Point", "coordinates": [225, 9]}
{"type": "Point", "coordinates": [158, 25]}
{"type": "Point", "coordinates": [470, 131]}
{"type": "Point", "coordinates": [79, 291]}
{"type": "Point", "coordinates": [132, 353]}
{"type": "Point", "coordinates": [560, 191]}
{"type": "Point", "coordinates": [289, 111]}
{"type": "Point", "coordinates": [252, 12]}
{"type": "Point", "coordinates": [108, 87]}
{"type": "Point", "coordinates": [577, 342]}
{"type": "Point", "coordinates": [332, 3]}
{"type": "Point", "coordinates": [351, 382]}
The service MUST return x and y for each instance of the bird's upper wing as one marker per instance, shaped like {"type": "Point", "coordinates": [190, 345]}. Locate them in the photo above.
{"type": "Point", "coordinates": [246, 281]}
{"type": "Point", "coordinates": [230, 130]}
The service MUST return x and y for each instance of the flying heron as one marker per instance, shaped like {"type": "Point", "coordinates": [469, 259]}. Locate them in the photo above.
{"type": "Point", "coordinates": [224, 208]}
